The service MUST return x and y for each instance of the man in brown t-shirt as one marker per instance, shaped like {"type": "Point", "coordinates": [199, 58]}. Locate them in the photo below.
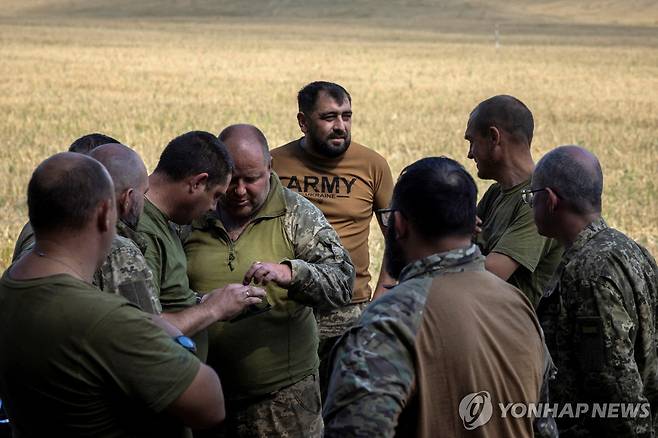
{"type": "Point", "coordinates": [344, 179]}
{"type": "Point", "coordinates": [437, 354]}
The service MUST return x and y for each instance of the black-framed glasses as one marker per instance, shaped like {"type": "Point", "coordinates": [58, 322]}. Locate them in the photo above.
{"type": "Point", "coordinates": [384, 215]}
{"type": "Point", "coordinates": [528, 195]}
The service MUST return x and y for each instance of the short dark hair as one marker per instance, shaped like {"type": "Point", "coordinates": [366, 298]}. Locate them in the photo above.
{"type": "Point", "coordinates": [579, 182]}
{"type": "Point", "coordinates": [65, 190]}
{"type": "Point", "coordinates": [308, 95]}
{"type": "Point", "coordinates": [507, 113]}
{"type": "Point", "coordinates": [437, 195]}
{"type": "Point", "coordinates": [193, 153]}
{"type": "Point", "coordinates": [87, 143]}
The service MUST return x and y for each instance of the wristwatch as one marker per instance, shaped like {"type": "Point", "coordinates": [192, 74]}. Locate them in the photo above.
{"type": "Point", "coordinates": [186, 343]}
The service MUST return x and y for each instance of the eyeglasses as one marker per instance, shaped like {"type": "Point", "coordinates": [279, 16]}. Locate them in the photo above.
{"type": "Point", "coordinates": [384, 215]}
{"type": "Point", "coordinates": [528, 195]}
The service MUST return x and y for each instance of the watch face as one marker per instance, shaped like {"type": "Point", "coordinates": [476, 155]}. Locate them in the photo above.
{"type": "Point", "coordinates": [186, 343]}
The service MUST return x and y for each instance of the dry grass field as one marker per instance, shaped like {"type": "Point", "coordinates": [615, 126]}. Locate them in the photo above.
{"type": "Point", "coordinates": [144, 73]}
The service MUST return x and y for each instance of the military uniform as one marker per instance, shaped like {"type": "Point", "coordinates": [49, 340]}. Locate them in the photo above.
{"type": "Point", "coordinates": [447, 330]}
{"type": "Point", "coordinates": [268, 362]}
{"type": "Point", "coordinates": [599, 317]}
{"type": "Point", "coordinates": [124, 272]}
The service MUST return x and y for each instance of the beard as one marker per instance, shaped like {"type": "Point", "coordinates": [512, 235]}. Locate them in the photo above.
{"type": "Point", "coordinates": [324, 147]}
{"type": "Point", "coordinates": [393, 254]}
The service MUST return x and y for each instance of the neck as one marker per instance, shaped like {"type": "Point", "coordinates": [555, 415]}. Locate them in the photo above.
{"type": "Point", "coordinates": [573, 225]}
{"type": "Point", "coordinates": [420, 248]}
{"type": "Point", "coordinates": [162, 194]}
{"type": "Point", "coordinates": [516, 168]}
{"type": "Point", "coordinates": [50, 256]}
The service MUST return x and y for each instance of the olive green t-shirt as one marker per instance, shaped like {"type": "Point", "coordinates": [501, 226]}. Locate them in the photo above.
{"type": "Point", "coordinates": [75, 362]}
{"type": "Point", "coordinates": [508, 228]}
{"type": "Point", "coordinates": [166, 258]}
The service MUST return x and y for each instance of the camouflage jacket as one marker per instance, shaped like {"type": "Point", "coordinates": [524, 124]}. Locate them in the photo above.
{"type": "Point", "coordinates": [374, 384]}
{"type": "Point", "coordinates": [599, 319]}
{"type": "Point", "coordinates": [125, 272]}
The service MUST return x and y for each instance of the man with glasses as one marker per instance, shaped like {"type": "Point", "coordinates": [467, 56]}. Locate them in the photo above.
{"type": "Point", "coordinates": [448, 338]}
{"type": "Point", "coordinates": [499, 133]}
{"type": "Point", "coordinates": [599, 314]}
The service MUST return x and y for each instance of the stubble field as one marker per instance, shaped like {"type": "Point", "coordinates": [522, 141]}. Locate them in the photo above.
{"type": "Point", "coordinates": [144, 81]}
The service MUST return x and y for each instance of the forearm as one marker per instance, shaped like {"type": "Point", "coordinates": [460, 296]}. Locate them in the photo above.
{"type": "Point", "coordinates": [191, 320]}
{"type": "Point", "coordinates": [321, 285]}
{"type": "Point", "coordinates": [384, 280]}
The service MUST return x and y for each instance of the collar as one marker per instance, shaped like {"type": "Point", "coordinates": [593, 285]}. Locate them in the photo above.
{"type": "Point", "coordinates": [585, 236]}
{"type": "Point", "coordinates": [124, 230]}
{"type": "Point", "coordinates": [274, 206]}
{"type": "Point", "coordinates": [457, 260]}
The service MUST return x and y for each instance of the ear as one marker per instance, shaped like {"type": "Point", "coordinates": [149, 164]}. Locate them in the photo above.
{"type": "Point", "coordinates": [553, 201]}
{"type": "Point", "coordinates": [197, 181]}
{"type": "Point", "coordinates": [401, 225]}
{"type": "Point", "coordinates": [123, 201]}
{"type": "Point", "coordinates": [105, 212]}
{"type": "Point", "coordinates": [303, 124]}
{"type": "Point", "coordinates": [494, 135]}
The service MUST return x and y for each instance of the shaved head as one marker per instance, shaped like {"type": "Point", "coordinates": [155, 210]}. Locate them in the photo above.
{"type": "Point", "coordinates": [576, 176]}
{"type": "Point", "coordinates": [65, 191]}
{"type": "Point", "coordinates": [243, 136]}
{"type": "Point", "coordinates": [124, 165]}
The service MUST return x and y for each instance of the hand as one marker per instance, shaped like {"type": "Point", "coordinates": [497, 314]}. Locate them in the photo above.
{"type": "Point", "coordinates": [478, 226]}
{"type": "Point", "coordinates": [263, 273]}
{"type": "Point", "coordinates": [229, 301]}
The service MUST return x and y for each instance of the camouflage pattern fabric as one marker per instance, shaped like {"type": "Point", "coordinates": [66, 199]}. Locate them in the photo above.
{"type": "Point", "coordinates": [292, 412]}
{"type": "Point", "coordinates": [124, 272]}
{"type": "Point", "coordinates": [373, 378]}
{"type": "Point", "coordinates": [599, 319]}
{"type": "Point", "coordinates": [322, 271]}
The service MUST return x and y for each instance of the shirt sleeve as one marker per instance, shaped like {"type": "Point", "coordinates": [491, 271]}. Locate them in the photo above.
{"type": "Point", "coordinates": [521, 241]}
{"type": "Point", "coordinates": [383, 186]}
{"type": "Point", "coordinates": [153, 256]}
{"type": "Point", "coordinates": [372, 380]}
{"type": "Point", "coordinates": [144, 363]}
{"type": "Point", "coordinates": [322, 271]}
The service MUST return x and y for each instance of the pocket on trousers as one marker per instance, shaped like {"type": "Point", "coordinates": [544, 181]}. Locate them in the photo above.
{"type": "Point", "coordinates": [307, 394]}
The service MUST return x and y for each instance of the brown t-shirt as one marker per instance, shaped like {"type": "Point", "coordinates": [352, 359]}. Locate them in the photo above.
{"type": "Point", "coordinates": [347, 189]}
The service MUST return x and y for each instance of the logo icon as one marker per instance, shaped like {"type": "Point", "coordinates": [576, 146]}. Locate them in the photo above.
{"type": "Point", "coordinates": [475, 409]}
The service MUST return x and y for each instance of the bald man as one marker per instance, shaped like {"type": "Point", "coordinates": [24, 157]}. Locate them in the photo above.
{"type": "Point", "coordinates": [264, 233]}
{"type": "Point", "coordinates": [599, 314]}
{"type": "Point", "coordinates": [125, 271]}
{"type": "Point", "coordinates": [499, 133]}
{"type": "Point", "coordinates": [82, 145]}
{"type": "Point", "coordinates": [76, 362]}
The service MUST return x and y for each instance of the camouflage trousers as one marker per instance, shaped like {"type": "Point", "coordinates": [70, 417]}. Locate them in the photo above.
{"type": "Point", "coordinates": [294, 411]}
{"type": "Point", "coordinates": [331, 326]}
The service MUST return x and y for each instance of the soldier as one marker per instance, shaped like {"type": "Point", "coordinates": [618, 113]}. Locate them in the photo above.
{"type": "Point", "coordinates": [499, 133]}
{"type": "Point", "coordinates": [75, 362]}
{"type": "Point", "coordinates": [449, 339]}
{"type": "Point", "coordinates": [193, 172]}
{"type": "Point", "coordinates": [347, 181]}
{"type": "Point", "coordinates": [124, 271]}
{"type": "Point", "coordinates": [599, 314]}
{"type": "Point", "coordinates": [269, 361]}
{"type": "Point", "coordinates": [82, 145]}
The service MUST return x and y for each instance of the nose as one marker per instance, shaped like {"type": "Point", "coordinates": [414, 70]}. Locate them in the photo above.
{"type": "Point", "coordinates": [470, 153]}
{"type": "Point", "coordinates": [240, 189]}
{"type": "Point", "coordinates": [339, 125]}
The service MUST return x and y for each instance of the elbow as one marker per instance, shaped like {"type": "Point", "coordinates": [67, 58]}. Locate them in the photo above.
{"type": "Point", "coordinates": [211, 418]}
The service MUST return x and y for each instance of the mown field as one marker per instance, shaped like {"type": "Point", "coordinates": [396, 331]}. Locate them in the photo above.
{"type": "Point", "coordinates": [146, 80]}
